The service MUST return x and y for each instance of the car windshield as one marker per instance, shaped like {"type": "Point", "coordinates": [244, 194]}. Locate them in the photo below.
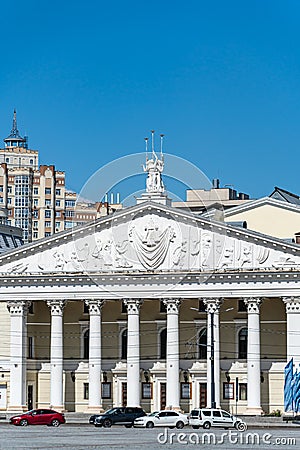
{"type": "Point", "coordinates": [110, 411]}
{"type": "Point", "coordinates": [153, 414]}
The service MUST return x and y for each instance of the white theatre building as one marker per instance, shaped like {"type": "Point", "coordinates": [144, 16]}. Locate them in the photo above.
{"type": "Point", "coordinates": [120, 311]}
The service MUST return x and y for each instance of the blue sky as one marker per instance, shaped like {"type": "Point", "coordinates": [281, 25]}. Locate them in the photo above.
{"type": "Point", "coordinates": [221, 79]}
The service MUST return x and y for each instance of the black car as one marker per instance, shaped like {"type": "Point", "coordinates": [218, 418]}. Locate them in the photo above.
{"type": "Point", "coordinates": [92, 418]}
{"type": "Point", "coordinates": [118, 416]}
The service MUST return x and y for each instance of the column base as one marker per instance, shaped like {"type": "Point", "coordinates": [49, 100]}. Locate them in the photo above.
{"type": "Point", "coordinates": [60, 409]}
{"type": "Point", "coordinates": [254, 411]}
{"type": "Point", "coordinates": [94, 409]}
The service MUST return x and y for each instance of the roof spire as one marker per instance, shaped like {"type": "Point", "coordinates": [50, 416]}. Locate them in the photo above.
{"type": "Point", "coordinates": [14, 130]}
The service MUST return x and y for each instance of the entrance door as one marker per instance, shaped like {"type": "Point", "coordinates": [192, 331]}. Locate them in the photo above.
{"type": "Point", "coordinates": [163, 395]}
{"type": "Point", "coordinates": [30, 396]}
{"type": "Point", "coordinates": [2, 396]}
{"type": "Point", "coordinates": [203, 395]}
{"type": "Point", "coordinates": [124, 394]}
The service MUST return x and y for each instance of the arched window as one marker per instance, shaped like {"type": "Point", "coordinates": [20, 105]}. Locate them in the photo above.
{"type": "Point", "coordinates": [243, 342]}
{"type": "Point", "coordinates": [163, 344]}
{"type": "Point", "coordinates": [202, 344]}
{"type": "Point", "coordinates": [124, 345]}
{"type": "Point", "coordinates": [86, 344]}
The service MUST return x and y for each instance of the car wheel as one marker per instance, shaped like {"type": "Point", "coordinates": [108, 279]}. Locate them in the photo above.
{"type": "Point", "coordinates": [107, 423]}
{"type": "Point", "coordinates": [241, 426]}
{"type": "Point", "coordinates": [55, 423]}
{"type": "Point", "coordinates": [206, 425]}
{"type": "Point", "coordinates": [129, 425]}
{"type": "Point", "coordinates": [196, 427]}
{"type": "Point", "coordinates": [179, 425]}
{"type": "Point", "coordinates": [149, 425]}
{"type": "Point", "coordinates": [23, 423]}
{"type": "Point", "coordinates": [171, 428]}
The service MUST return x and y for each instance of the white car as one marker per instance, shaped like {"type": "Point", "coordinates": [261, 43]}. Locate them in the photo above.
{"type": "Point", "coordinates": [207, 418]}
{"type": "Point", "coordinates": [165, 418]}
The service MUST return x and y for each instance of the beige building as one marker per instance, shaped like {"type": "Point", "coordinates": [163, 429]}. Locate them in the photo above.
{"type": "Point", "coordinates": [35, 197]}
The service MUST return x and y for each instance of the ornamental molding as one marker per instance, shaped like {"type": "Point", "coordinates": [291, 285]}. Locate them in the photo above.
{"type": "Point", "coordinates": [18, 308]}
{"type": "Point", "coordinates": [253, 304]}
{"type": "Point", "coordinates": [173, 305]}
{"type": "Point", "coordinates": [94, 306]}
{"type": "Point", "coordinates": [133, 305]}
{"type": "Point", "coordinates": [292, 304]}
{"type": "Point", "coordinates": [56, 307]}
{"type": "Point", "coordinates": [213, 304]}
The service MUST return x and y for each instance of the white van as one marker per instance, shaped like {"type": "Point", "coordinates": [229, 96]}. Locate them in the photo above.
{"type": "Point", "coordinates": [207, 417]}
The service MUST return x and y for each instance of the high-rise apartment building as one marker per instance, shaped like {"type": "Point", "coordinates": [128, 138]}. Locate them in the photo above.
{"type": "Point", "coordinates": [35, 197]}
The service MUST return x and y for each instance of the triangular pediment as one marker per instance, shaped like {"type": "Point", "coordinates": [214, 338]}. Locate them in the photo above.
{"type": "Point", "coordinates": [151, 237]}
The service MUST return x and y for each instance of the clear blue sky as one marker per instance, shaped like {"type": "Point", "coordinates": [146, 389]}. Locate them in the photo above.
{"type": "Point", "coordinates": [220, 78]}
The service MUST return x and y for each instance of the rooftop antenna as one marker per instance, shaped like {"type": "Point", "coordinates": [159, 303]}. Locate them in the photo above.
{"type": "Point", "coordinates": [14, 130]}
{"type": "Point", "coordinates": [161, 145]}
{"type": "Point", "coordinates": [146, 143]}
{"type": "Point", "coordinates": [152, 132]}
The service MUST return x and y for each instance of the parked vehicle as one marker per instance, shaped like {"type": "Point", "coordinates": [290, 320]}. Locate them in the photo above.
{"type": "Point", "coordinates": [38, 417]}
{"type": "Point", "coordinates": [165, 418]}
{"type": "Point", "coordinates": [207, 418]}
{"type": "Point", "coordinates": [118, 416]}
{"type": "Point", "coordinates": [93, 418]}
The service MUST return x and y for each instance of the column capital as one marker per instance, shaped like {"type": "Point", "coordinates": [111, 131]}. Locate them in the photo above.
{"type": "Point", "coordinates": [172, 304]}
{"type": "Point", "coordinates": [56, 306]}
{"type": "Point", "coordinates": [212, 304]}
{"type": "Point", "coordinates": [292, 304]}
{"type": "Point", "coordinates": [133, 305]}
{"type": "Point", "coordinates": [94, 306]}
{"type": "Point", "coordinates": [253, 304]}
{"type": "Point", "coordinates": [18, 308]}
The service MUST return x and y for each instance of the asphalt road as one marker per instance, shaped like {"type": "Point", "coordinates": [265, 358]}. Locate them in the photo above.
{"type": "Point", "coordinates": [80, 437]}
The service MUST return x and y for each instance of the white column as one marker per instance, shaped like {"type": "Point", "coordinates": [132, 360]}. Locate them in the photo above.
{"type": "Point", "coordinates": [18, 344]}
{"type": "Point", "coordinates": [292, 305]}
{"type": "Point", "coordinates": [213, 309]}
{"type": "Point", "coordinates": [253, 357]}
{"type": "Point", "coordinates": [56, 354]}
{"type": "Point", "coordinates": [95, 401]}
{"type": "Point", "coordinates": [172, 359]}
{"type": "Point", "coordinates": [133, 351]}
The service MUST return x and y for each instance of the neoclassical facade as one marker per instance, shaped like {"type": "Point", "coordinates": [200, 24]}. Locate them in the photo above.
{"type": "Point", "coordinates": [150, 306]}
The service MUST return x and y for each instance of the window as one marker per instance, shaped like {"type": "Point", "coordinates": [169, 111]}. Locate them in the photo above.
{"type": "Point", "coordinates": [202, 343]}
{"type": "Point", "coordinates": [70, 213]}
{"type": "Point", "coordinates": [1, 188]}
{"type": "Point", "coordinates": [228, 391]}
{"type": "Point", "coordinates": [35, 191]}
{"type": "Point", "coordinates": [47, 224]}
{"type": "Point", "coordinates": [31, 161]}
{"type": "Point", "coordinates": [242, 307]}
{"type": "Point", "coordinates": [57, 214]}
{"type": "Point", "coordinates": [30, 347]}
{"type": "Point", "coordinates": [124, 345]}
{"type": "Point", "coordinates": [163, 344]}
{"type": "Point", "coordinates": [35, 235]}
{"type": "Point", "coordinates": [106, 390]}
{"type": "Point", "coordinates": [35, 202]}
{"type": "Point", "coordinates": [10, 212]}
{"type": "Point", "coordinates": [7, 160]}
{"type": "Point", "coordinates": [242, 344]}
{"type": "Point", "coordinates": [9, 201]}
{"type": "Point", "coordinates": [48, 213]}
{"type": "Point", "coordinates": [35, 214]}
{"type": "Point", "coordinates": [243, 391]}
{"type": "Point", "coordinates": [217, 414]}
{"type": "Point", "coordinates": [57, 225]}
{"type": "Point", "coordinates": [47, 191]}
{"type": "Point", "coordinates": [86, 344]}
{"type": "Point", "coordinates": [57, 202]}
{"type": "Point", "coordinates": [57, 191]}
{"type": "Point", "coordinates": [9, 189]}
{"type": "Point", "coordinates": [163, 307]}
{"type": "Point", "coordinates": [1, 199]}
{"type": "Point", "coordinates": [201, 306]}
{"type": "Point", "coordinates": [70, 203]}
{"type": "Point", "coordinates": [47, 234]}
{"type": "Point", "coordinates": [185, 390]}
{"type": "Point", "coordinates": [85, 391]}
{"type": "Point", "coordinates": [146, 390]}
{"type": "Point", "coordinates": [47, 202]}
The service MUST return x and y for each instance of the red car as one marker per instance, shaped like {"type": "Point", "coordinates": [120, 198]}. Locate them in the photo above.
{"type": "Point", "coordinates": [38, 417]}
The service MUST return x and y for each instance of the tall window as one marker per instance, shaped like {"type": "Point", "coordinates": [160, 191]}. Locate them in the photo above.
{"type": "Point", "coordinates": [243, 342]}
{"type": "Point", "coordinates": [163, 344]}
{"type": "Point", "coordinates": [124, 345]}
{"type": "Point", "coordinates": [202, 343]}
{"type": "Point", "coordinates": [86, 344]}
